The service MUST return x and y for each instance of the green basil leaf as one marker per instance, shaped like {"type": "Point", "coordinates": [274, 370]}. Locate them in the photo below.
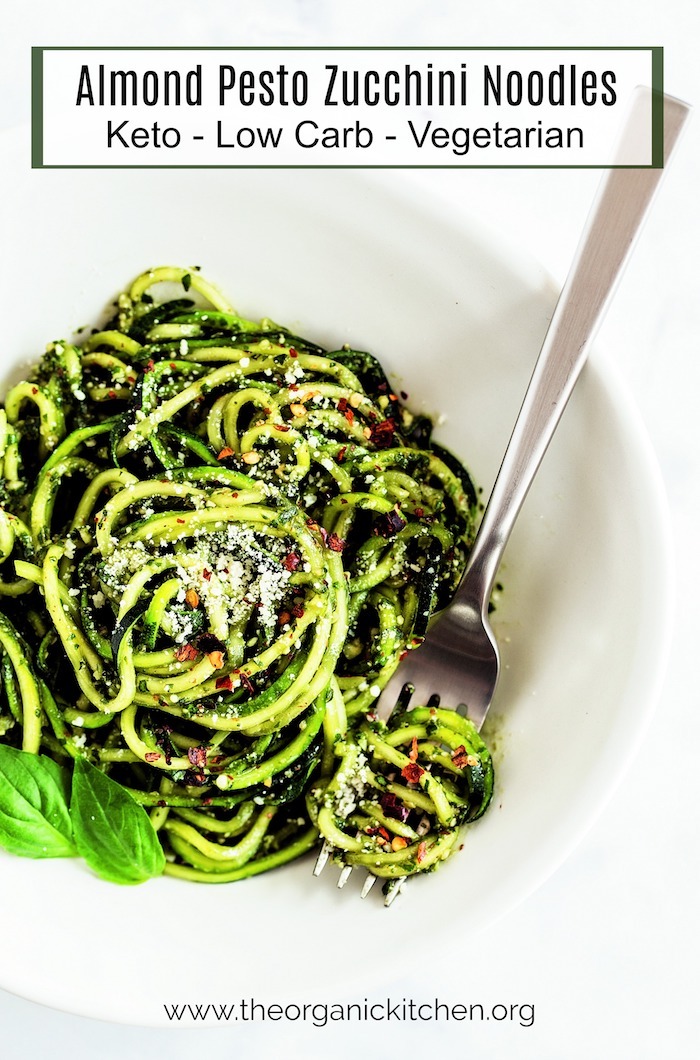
{"type": "Point", "coordinates": [34, 819]}
{"type": "Point", "coordinates": [112, 832]}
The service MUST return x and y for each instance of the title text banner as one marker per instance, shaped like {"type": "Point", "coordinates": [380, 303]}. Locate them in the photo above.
{"type": "Point", "coordinates": [330, 107]}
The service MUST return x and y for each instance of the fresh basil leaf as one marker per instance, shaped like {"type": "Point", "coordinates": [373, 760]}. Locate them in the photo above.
{"type": "Point", "coordinates": [112, 832]}
{"type": "Point", "coordinates": [34, 818]}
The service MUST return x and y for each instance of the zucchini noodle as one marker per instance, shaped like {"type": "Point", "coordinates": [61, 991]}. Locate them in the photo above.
{"type": "Point", "coordinates": [217, 540]}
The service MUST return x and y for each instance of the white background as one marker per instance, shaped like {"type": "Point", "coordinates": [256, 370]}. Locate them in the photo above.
{"type": "Point", "coordinates": [607, 949]}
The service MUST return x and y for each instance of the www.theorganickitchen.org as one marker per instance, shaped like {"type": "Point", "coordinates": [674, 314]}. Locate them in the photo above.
{"type": "Point", "coordinates": [322, 1014]}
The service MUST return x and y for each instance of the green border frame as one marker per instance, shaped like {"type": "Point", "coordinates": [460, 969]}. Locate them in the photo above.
{"type": "Point", "coordinates": [657, 108]}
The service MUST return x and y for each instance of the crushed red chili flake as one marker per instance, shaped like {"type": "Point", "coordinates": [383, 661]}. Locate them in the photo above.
{"type": "Point", "coordinates": [194, 779]}
{"type": "Point", "coordinates": [419, 512]}
{"type": "Point", "coordinates": [186, 653]}
{"type": "Point", "coordinates": [291, 561]}
{"type": "Point", "coordinates": [460, 757]}
{"type": "Point", "coordinates": [35, 390]}
{"type": "Point", "coordinates": [389, 524]}
{"type": "Point", "coordinates": [293, 352]}
{"type": "Point", "coordinates": [197, 755]}
{"type": "Point", "coordinates": [112, 394]}
{"type": "Point", "coordinates": [226, 451]}
{"type": "Point", "coordinates": [421, 852]}
{"type": "Point", "coordinates": [206, 574]}
{"type": "Point", "coordinates": [152, 756]}
{"type": "Point", "coordinates": [335, 543]}
{"type": "Point", "coordinates": [281, 427]}
{"type": "Point", "coordinates": [349, 416]}
{"type": "Point", "coordinates": [413, 753]}
{"type": "Point", "coordinates": [181, 521]}
{"type": "Point", "coordinates": [207, 642]}
{"type": "Point", "coordinates": [245, 681]}
{"type": "Point", "coordinates": [340, 455]}
{"type": "Point", "coordinates": [224, 683]}
{"type": "Point", "coordinates": [382, 434]}
{"type": "Point", "coordinates": [384, 834]}
{"type": "Point", "coordinates": [150, 366]}
{"type": "Point", "coordinates": [412, 772]}
{"type": "Point", "coordinates": [392, 807]}
{"type": "Point", "coordinates": [342, 405]}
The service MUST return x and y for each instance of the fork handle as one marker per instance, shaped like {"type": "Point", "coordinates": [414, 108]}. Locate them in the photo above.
{"type": "Point", "coordinates": [620, 206]}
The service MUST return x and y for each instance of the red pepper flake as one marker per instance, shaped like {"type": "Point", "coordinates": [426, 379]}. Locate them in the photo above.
{"type": "Point", "coordinates": [206, 574]}
{"type": "Point", "coordinates": [340, 455]}
{"type": "Point", "coordinates": [412, 772]}
{"type": "Point", "coordinates": [197, 755]}
{"type": "Point", "coordinates": [389, 524]}
{"type": "Point", "coordinates": [413, 753]}
{"type": "Point", "coordinates": [192, 598]}
{"type": "Point", "coordinates": [342, 405]}
{"type": "Point", "coordinates": [226, 451]}
{"type": "Point", "coordinates": [186, 653]}
{"type": "Point", "coordinates": [150, 366]}
{"type": "Point", "coordinates": [293, 352]}
{"type": "Point", "coordinates": [335, 543]}
{"type": "Point", "coordinates": [298, 611]}
{"type": "Point", "coordinates": [350, 416]}
{"type": "Point", "coordinates": [460, 757]}
{"type": "Point", "coordinates": [382, 434]}
{"type": "Point", "coordinates": [419, 512]}
{"type": "Point", "coordinates": [224, 683]}
{"type": "Point", "coordinates": [216, 658]}
{"type": "Point", "coordinates": [172, 364]}
{"type": "Point", "coordinates": [152, 756]}
{"type": "Point", "coordinates": [392, 807]}
{"type": "Point", "coordinates": [245, 681]}
{"type": "Point", "coordinates": [35, 390]}
{"type": "Point", "coordinates": [421, 852]}
{"type": "Point", "coordinates": [384, 834]}
{"type": "Point", "coordinates": [112, 394]}
{"type": "Point", "coordinates": [281, 427]}
{"type": "Point", "coordinates": [181, 521]}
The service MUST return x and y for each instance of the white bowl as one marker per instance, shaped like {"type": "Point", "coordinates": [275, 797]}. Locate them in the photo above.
{"type": "Point", "coordinates": [458, 317]}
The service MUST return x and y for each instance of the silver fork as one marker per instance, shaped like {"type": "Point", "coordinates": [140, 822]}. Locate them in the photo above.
{"type": "Point", "coordinates": [459, 656]}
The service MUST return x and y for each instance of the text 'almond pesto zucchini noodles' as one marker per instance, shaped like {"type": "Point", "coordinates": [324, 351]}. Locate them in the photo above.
{"type": "Point", "coordinates": [217, 540]}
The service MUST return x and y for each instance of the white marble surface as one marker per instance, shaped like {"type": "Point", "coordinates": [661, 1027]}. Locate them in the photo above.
{"type": "Point", "coordinates": [607, 948]}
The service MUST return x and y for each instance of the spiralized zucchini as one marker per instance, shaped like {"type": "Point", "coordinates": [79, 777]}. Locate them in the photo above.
{"type": "Point", "coordinates": [216, 542]}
